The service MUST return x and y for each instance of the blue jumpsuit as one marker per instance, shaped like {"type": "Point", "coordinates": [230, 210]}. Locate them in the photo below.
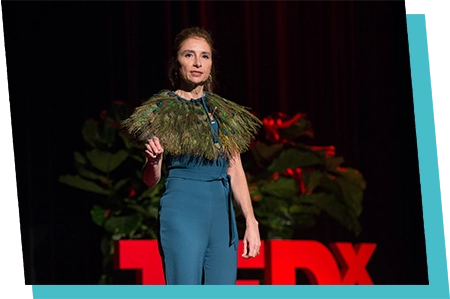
{"type": "Point", "coordinates": [198, 236]}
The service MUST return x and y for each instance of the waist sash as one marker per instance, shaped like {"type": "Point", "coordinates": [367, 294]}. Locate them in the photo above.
{"type": "Point", "coordinates": [195, 175]}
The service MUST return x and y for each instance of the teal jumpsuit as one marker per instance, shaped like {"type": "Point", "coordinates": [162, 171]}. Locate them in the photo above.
{"type": "Point", "coordinates": [198, 236]}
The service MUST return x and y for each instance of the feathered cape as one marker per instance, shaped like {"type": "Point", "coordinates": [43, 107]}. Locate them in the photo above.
{"type": "Point", "coordinates": [183, 127]}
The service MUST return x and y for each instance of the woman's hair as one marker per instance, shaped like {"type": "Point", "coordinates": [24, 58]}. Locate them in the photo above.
{"type": "Point", "coordinates": [174, 65]}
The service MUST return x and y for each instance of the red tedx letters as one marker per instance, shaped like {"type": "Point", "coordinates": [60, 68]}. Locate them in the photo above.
{"type": "Point", "coordinates": [344, 264]}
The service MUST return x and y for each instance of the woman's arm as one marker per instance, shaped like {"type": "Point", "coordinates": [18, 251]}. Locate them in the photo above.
{"type": "Point", "coordinates": [239, 187]}
{"type": "Point", "coordinates": [151, 172]}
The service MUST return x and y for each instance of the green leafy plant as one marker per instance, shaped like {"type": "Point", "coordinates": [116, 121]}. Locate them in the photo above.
{"type": "Point", "coordinates": [111, 167]}
{"type": "Point", "coordinates": [290, 183]}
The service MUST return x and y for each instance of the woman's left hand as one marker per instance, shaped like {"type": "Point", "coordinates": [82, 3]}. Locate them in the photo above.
{"type": "Point", "coordinates": [251, 240]}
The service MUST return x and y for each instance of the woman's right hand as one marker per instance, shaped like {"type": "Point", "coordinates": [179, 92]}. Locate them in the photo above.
{"type": "Point", "coordinates": [154, 150]}
{"type": "Point", "coordinates": [151, 173]}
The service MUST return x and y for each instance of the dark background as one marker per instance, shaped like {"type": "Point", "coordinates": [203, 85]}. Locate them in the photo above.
{"type": "Point", "coordinates": [344, 63]}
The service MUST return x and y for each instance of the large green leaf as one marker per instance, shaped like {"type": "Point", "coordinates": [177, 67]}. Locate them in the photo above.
{"type": "Point", "coordinates": [338, 210]}
{"type": "Point", "coordinates": [98, 215]}
{"type": "Point", "coordinates": [263, 151]}
{"type": "Point", "coordinates": [123, 225]}
{"type": "Point", "coordinates": [352, 194]}
{"type": "Point", "coordinates": [304, 209]}
{"type": "Point", "coordinates": [304, 199]}
{"type": "Point", "coordinates": [121, 183]}
{"type": "Point", "coordinates": [329, 185]}
{"type": "Point", "coordinates": [77, 181]}
{"type": "Point", "coordinates": [90, 132]}
{"type": "Point", "coordinates": [152, 193]}
{"type": "Point", "coordinates": [105, 161]}
{"type": "Point", "coordinates": [352, 175]}
{"type": "Point", "coordinates": [127, 141]}
{"type": "Point", "coordinates": [270, 204]}
{"type": "Point", "coordinates": [312, 179]}
{"type": "Point", "coordinates": [294, 158]}
{"type": "Point", "coordinates": [282, 187]}
{"type": "Point", "coordinates": [277, 221]}
{"type": "Point", "coordinates": [153, 211]}
{"type": "Point", "coordinates": [90, 174]}
{"type": "Point", "coordinates": [150, 212]}
{"type": "Point", "coordinates": [79, 158]}
{"type": "Point", "coordinates": [139, 158]}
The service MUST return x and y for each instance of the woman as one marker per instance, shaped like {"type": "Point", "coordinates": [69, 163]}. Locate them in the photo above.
{"type": "Point", "coordinates": [200, 135]}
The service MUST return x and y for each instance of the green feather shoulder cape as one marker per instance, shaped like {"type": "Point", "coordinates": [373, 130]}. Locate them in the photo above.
{"type": "Point", "coordinates": [183, 127]}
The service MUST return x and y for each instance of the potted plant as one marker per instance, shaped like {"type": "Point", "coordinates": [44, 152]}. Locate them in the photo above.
{"type": "Point", "coordinates": [292, 183]}
{"type": "Point", "coordinates": [111, 166]}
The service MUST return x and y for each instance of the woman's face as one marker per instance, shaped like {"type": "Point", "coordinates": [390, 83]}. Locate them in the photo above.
{"type": "Point", "coordinates": [195, 60]}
